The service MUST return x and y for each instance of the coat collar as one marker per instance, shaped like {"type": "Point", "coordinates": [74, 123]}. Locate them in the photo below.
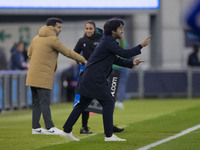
{"type": "Point", "coordinates": [46, 31]}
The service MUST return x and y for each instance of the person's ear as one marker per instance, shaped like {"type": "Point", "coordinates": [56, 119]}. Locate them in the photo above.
{"type": "Point", "coordinates": [113, 32]}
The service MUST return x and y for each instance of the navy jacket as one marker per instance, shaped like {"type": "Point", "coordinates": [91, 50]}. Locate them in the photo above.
{"type": "Point", "coordinates": [93, 80]}
{"type": "Point", "coordinates": [16, 61]}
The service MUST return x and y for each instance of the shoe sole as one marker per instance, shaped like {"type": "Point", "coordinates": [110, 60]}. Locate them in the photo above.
{"type": "Point", "coordinates": [38, 132]}
{"type": "Point", "coordinates": [52, 133]}
{"type": "Point", "coordinates": [66, 137]}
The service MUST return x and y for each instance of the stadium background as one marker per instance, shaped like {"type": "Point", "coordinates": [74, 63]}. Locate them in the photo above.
{"type": "Point", "coordinates": [168, 21]}
{"type": "Point", "coordinates": [164, 74]}
{"type": "Point", "coordinates": [159, 82]}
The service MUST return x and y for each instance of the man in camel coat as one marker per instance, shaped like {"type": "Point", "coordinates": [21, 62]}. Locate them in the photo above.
{"type": "Point", "coordinates": [43, 53]}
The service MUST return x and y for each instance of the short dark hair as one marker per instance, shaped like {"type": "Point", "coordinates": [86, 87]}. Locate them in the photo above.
{"type": "Point", "coordinates": [91, 22]}
{"type": "Point", "coordinates": [52, 21]}
{"type": "Point", "coordinates": [112, 25]}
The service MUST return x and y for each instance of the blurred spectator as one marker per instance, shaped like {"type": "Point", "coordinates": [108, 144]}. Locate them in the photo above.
{"type": "Point", "coordinates": [193, 59]}
{"type": "Point", "coordinates": [2, 59]}
{"type": "Point", "coordinates": [69, 81]}
{"type": "Point", "coordinates": [17, 61]}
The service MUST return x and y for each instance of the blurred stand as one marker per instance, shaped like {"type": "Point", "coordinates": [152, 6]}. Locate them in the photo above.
{"type": "Point", "coordinates": [192, 32]}
{"type": "Point", "coordinates": [192, 17]}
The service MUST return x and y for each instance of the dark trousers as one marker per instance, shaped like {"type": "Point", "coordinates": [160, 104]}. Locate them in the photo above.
{"type": "Point", "coordinates": [85, 117]}
{"type": "Point", "coordinates": [41, 105]}
{"type": "Point", "coordinates": [108, 108]}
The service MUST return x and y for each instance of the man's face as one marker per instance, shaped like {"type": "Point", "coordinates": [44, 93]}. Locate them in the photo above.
{"type": "Point", "coordinates": [57, 28]}
{"type": "Point", "coordinates": [118, 34]}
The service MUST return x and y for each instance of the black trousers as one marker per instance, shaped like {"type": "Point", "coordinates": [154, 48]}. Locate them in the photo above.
{"type": "Point", "coordinates": [85, 117]}
{"type": "Point", "coordinates": [41, 105]}
{"type": "Point", "coordinates": [108, 108]}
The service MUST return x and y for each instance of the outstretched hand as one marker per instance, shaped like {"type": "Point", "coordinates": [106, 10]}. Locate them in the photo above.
{"type": "Point", "coordinates": [146, 41]}
{"type": "Point", "coordinates": [137, 61]}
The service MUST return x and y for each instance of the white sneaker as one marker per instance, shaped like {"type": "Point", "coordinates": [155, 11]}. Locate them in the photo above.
{"type": "Point", "coordinates": [53, 131]}
{"type": "Point", "coordinates": [113, 138]}
{"type": "Point", "coordinates": [68, 136]}
{"type": "Point", "coordinates": [39, 131]}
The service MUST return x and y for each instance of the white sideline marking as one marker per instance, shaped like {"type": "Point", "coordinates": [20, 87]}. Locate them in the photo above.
{"type": "Point", "coordinates": [170, 138]}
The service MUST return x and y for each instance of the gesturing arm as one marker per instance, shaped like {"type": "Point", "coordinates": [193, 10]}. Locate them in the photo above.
{"type": "Point", "coordinates": [68, 52]}
{"type": "Point", "coordinates": [127, 63]}
{"type": "Point", "coordinates": [115, 48]}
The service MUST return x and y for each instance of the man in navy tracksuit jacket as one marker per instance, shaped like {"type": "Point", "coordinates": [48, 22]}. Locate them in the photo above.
{"type": "Point", "coordinates": [93, 80]}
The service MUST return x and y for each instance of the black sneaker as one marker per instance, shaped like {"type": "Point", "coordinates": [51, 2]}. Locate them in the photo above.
{"type": "Point", "coordinates": [116, 129]}
{"type": "Point", "coordinates": [85, 130]}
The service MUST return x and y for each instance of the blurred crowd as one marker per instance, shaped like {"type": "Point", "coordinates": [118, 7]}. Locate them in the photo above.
{"type": "Point", "coordinates": [18, 57]}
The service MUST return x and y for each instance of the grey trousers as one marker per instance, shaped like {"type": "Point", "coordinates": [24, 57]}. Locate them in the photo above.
{"type": "Point", "coordinates": [41, 105]}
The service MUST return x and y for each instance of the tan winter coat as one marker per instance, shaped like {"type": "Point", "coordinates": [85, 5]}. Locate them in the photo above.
{"type": "Point", "coordinates": [43, 53]}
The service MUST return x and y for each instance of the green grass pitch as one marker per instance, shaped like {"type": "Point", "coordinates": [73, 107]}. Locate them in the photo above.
{"type": "Point", "coordinates": [146, 121]}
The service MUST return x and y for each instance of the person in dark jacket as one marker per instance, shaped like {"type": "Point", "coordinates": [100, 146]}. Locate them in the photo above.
{"type": "Point", "coordinates": [193, 59]}
{"type": "Point", "coordinates": [17, 61]}
{"type": "Point", "coordinates": [93, 79]}
{"type": "Point", "coordinates": [89, 41]}
{"type": "Point", "coordinates": [86, 46]}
